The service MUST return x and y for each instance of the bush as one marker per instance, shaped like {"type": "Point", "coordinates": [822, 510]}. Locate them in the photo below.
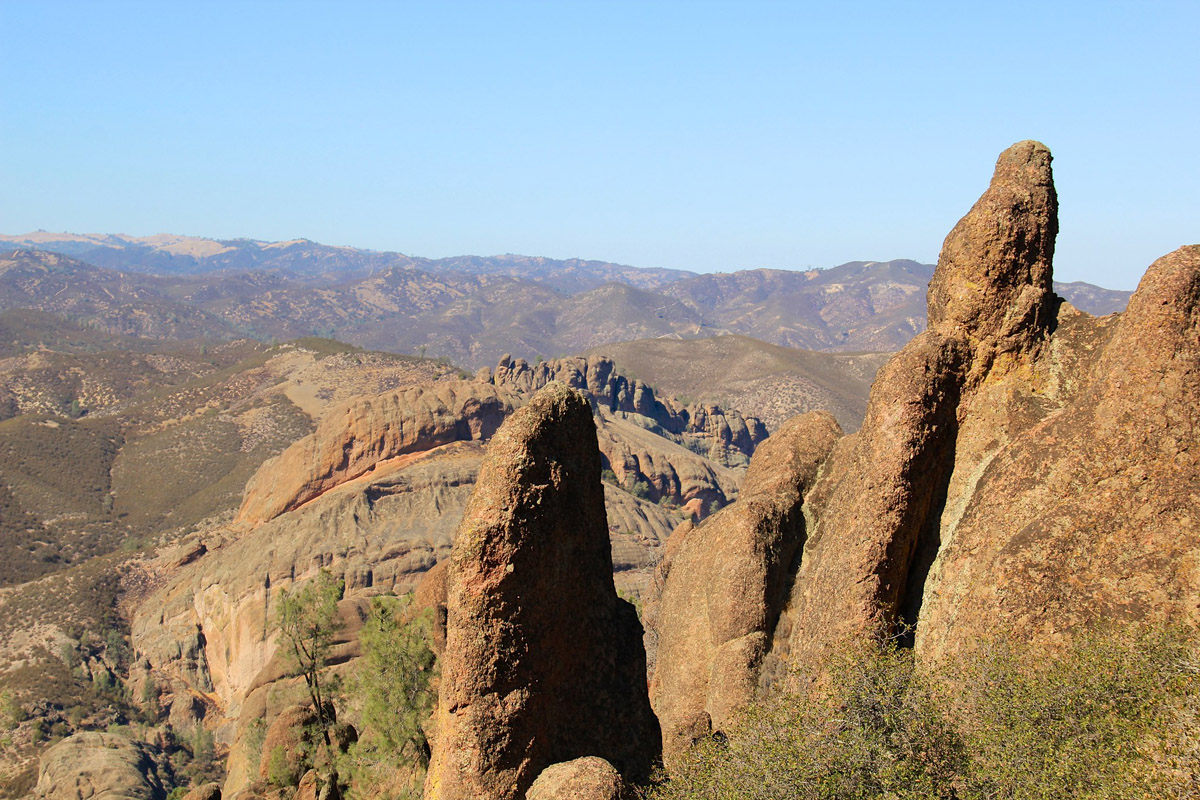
{"type": "Point", "coordinates": [1113, 716]}
{"type": "Point", "coordinates": [394, 692]}
{"type": "Point", "coordinates": [281, 770]}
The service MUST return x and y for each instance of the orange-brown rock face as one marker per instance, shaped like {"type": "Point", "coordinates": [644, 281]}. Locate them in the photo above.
{"type": "Point", "coordinates": [726, 584]}
{"type": "Point", "coordinates": [1022, 466]}
{"type": "Point", "coordinates": [878, 505]}
{"type": "Point", "coordinates": [992, 288]}
{"type": "Point", "coordinates": [1094, 511]}
{"type": "Point", "coordinates": [366, 432]}
{"type": "Point", "coordinates": [543, 663]}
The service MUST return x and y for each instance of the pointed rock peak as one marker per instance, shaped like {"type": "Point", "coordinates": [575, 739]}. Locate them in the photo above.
{"type": "Point", "coordinates": [993, 280]}
{"type": "Point", "coordinates": [543, 662]}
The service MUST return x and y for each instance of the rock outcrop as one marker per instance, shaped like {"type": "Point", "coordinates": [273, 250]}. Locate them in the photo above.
{"type": "Point", "coordinates": [367, 432]}
{"type": "Point", "coordinates": [587, 778]}
{"type": "Point", "coordinates": [725, 585]}
{"type": "Point", "coordinates": [1022, 467]}
{"type": "Point", "coordinates": [1093, 511]}
{"type": "Point", "coordinates": [543, 663]}
{"type": "Point", "coordinates": [98, 765]}
{"type": "Point", "coordinates": [722, 435]}
{"type": "Point", "coordinates": [877, 507]}
{"type": "Point", "coordinates": [205, 791]}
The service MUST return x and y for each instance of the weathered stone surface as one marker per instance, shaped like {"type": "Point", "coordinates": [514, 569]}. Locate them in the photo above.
{"type": "Point", "coordinates": [1093, 511]}
{"type": "Point", "coordinates": [876, 510]}
{"type": "Point", "coordinates": [101, 766]}
{"type": "Point", "coordinates": [587, 778]}
{"type": "Point", "coordinates": [206, 791]}
{"type": "Point", "coordinates": [543, 662]}
{"type": "Point", "coordinates": [1023, 467]}
{"type": "Point", "coordinates": [726, 585]}
{"type": "Point", "coordinates": [992, 287]}
{"type": "Point", "coordinates": [364, 433]}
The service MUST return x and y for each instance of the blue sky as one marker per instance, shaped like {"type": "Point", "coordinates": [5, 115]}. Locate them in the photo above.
{"type": "Point", "coordinates": [705, 136]}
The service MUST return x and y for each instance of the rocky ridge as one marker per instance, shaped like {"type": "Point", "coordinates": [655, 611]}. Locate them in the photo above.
{"type": "Point", "coordinates": [1023, 467]}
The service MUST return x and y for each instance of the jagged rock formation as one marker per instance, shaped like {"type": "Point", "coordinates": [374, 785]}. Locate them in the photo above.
{"type": "Point", "coordinates": [1022, 466]}
{"type": "Point", "coordinates": [725, 584]}
{"type": "Point", "coordinates": [208, 633]}
{"type": "Point", "coordinates": [543, 663]}
{"type": "Point", "coordinates": [877, 509]}
{"type": "Point", "coordinates": [1091, 512]}
{"type": "Point", "coordinates": [99, 765]}
{"type": "Point", "coordinates": [587, 778]}
{"type": "Point", "coordinates": [354, 440]}
{"type": "Point", "coordinates": [724, 436]}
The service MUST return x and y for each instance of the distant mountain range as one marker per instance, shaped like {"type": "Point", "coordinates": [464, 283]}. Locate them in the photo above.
{"type": "Point", "coordinates": [468, 309]}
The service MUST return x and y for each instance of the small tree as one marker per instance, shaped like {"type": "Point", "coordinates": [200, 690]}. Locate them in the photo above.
{"type": "Point", "coordinates": [308, 622]}
{"type": "Point", "coordinates": [393, 688]}
{"type": "Point", "coordinates": [394, 681]}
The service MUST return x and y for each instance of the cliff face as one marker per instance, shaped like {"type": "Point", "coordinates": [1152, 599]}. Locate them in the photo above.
{"type": "Point", "coordinates": [356, 438]}
{"type": "Point", "coordinates": [543, 663]}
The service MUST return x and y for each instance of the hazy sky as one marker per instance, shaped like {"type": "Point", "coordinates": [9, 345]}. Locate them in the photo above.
{"type": "Point", "coordinates": [692, 135]}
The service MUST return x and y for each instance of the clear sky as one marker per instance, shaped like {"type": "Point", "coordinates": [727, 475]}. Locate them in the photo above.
{"type": "Point", "coordinates": [704, 136]}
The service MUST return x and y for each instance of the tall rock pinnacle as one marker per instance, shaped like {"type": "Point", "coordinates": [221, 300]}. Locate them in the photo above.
{"type": "Point", "coordinates": [878, 507]}
{"type": "Point", "coordinates": [992, 286]}
{"type": "Point", "coordinates": [543, 663]}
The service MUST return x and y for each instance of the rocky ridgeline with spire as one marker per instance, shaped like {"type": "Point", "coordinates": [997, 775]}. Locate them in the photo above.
{"type": "Point", "coordinates": [1022, 467]}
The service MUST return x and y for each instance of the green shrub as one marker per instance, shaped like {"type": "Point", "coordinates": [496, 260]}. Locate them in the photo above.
{"type": "Point", "coordinates": [281, 770]}
{"type": "Point", "coordinates": [639, 489]}
{"type": "Point", "coordinates": [1112, 716]}
{"type": "Point", "coordinates": [393, 690]}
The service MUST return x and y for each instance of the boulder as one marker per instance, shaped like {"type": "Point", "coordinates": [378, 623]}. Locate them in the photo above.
{"type": "Point", "coordinates": [543, 663]}
{"type": "Point", "coordinates": [102, 766]}
{"type": "Point", "coordinates": [587, 778]}
{"type": "Point", "coordinates": [207, 791]}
